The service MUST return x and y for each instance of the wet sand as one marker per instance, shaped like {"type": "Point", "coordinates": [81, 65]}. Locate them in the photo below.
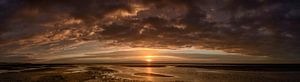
{"type": "Point", "coordinates": [147, 73]}
{"type": "Point", "coordinates": [152, 75]}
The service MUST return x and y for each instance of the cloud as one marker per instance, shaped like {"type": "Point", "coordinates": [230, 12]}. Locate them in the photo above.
{"type": "Point", "coordinates": [160, 55]}
{"type": "Point", "coordinates": [251, 27]}
{"type": "Point", "coordinates": [18, 57]}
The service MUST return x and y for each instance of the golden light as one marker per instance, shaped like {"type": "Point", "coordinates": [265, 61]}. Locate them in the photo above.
{"type": "Point", "coordinates": [149, 56]}
{"type": "Point", "coordinates": [149, 60]}
{"type": "Point", "coordinates": [124, 13]}
{"type": "Point", "coordinates": [149, 70]}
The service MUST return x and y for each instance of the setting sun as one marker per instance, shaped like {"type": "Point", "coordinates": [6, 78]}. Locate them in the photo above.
{"type": "Point", "coordinates": [149, 56]}
{"type": "Point", "coordinates": [149, 60]}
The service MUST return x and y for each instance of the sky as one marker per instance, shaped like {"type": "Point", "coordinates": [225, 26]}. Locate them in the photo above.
{"type": "Point", "coordinates": [140, 31]}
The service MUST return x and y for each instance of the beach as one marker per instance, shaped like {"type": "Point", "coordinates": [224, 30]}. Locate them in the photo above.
{"type": "Point", "coordinates": [147, 73]}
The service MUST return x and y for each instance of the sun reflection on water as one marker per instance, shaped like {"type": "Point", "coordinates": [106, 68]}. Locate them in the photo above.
{"type": "Point", "coordinates": [149, 71]}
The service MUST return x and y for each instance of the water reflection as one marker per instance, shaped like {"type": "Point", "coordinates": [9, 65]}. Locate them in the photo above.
{"type": "Point", "coordinates": [149, 71]}
{"type": "Point", "coordinates": [183, 74]}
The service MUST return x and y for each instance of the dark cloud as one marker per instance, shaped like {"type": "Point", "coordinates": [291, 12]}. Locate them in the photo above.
{"type": "Point", "coordinates": [252, 27]}
{"type": "Point", "coordinates": [17, 57]}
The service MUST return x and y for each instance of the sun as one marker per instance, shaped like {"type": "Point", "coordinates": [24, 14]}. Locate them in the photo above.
{"type": "Point", "coordinates": [149, 56]}
{"type": "Point", "coordinates": [149, 60]}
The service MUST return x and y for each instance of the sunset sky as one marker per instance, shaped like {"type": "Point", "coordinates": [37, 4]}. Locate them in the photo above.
{"type": "Point", "coordinates": [141, 31]}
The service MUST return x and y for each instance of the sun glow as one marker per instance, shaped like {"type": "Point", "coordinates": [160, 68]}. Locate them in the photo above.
{"type": "Point", "coordinates": [149, 60]}
{"type": "Point", "coordinates": [150, 56]}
